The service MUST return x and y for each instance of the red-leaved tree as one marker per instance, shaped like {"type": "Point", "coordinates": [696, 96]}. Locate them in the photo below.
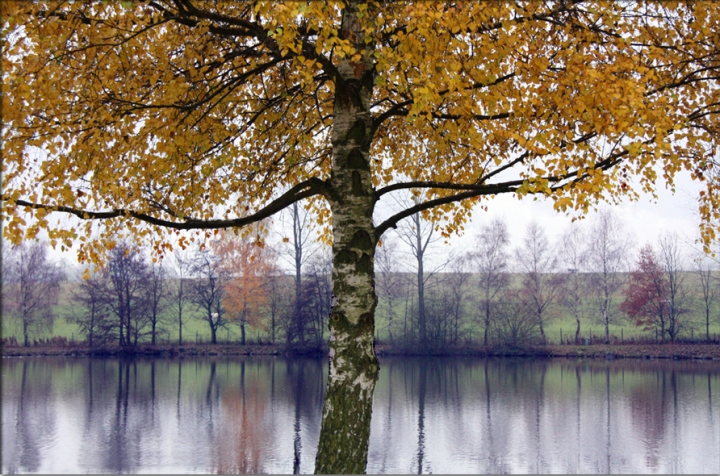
{"type": "Point", "coordinates": [645, 296]}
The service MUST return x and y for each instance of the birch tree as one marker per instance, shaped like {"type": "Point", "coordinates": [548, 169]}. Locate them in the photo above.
{"type": "Point", "coordinates": [608, 250]}
{"type": "Point", "coordinates": [153, 118]}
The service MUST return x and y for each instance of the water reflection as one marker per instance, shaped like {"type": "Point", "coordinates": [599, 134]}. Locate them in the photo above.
{"type": "Point", "coordinates": [256, 415]}
{"type": "Point", "coordinates": [505, 416]}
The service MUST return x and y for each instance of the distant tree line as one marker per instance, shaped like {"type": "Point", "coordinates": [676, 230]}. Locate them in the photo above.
{"type": "Point", "coordinates": [489, 294]}
{"type": "Point", "coordinates": [494, 295]}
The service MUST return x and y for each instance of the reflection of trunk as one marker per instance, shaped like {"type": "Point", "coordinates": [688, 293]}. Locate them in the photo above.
{"type": "Point", "coordinates": [421, 415]}
{"type": "Point", "coordinates": [297, 443]}
{"type": "Point", "coordinates": [28, 440]}
{"type": "Point", "coordinates": [152, 388]}
{"type": "Point", "coordinates": [578, 379]}
{"type": "Point", "coordinates": [211, 381]}
{"type": "Point", "coordinates": [607, 434]}
{"type": "Point", "coordinates": [345, 431]}
{"type": "Point", "coordinates": [178, 388]}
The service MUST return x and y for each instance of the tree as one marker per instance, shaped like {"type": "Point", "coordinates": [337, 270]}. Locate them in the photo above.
{"type": "Point", "coordinates": [125, 278]}
{"type": "Point", "coordinates": [30, 287]}
{"type": "Point", "coordinates": [608, 250]}
{"type": "Point", "coordinates": [196, 115]}
{"type": "Point", "coordinates": [298, 254]}
{"type": "Point", "coordinates": [517, 324]}
{"type": "Point", "coordinates": [316, 295]}
{"type": "Point", "coordinates": [245, 264]}
{"type": "Point", "coordinates": [178, 293]}
{"type": "Point", "coordinates": [705, 270]}
{"type": "Point", "coordinates": [275, 296]}
{"type": "Point", "coordinates": [541, 283]}
{"type": "Point", "coordinates": [157, 295]}
{"type": "Point", "coordinates": [491, 266]}
{"type": "Point", "coordinates": [456, 282]}
{"type": "Point", "coordinates": [418, 235]}
{"type": "Point", "coordinates": [645, 295]}
{"type": "Point", "coordinates": [389, 281]}
{"type": "Point", "coordinates": [575, 286]}
{"type": "Point", "coordinates": [676, 295]}
{"type": "Point", "coordinates": [207, 291]}
{"type": "Point", "coordinates": [95, 320]}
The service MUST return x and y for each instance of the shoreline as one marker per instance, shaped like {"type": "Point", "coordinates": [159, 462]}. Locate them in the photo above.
{"type": "Point", "coordinates": [697, 351]}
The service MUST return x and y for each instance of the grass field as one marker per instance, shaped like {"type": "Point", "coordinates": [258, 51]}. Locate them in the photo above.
{"type": "Point", "coordinates": [196, 330]}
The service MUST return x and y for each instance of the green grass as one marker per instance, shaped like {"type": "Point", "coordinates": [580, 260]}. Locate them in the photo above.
{"type": "Point", "coordinates": [196, 330]}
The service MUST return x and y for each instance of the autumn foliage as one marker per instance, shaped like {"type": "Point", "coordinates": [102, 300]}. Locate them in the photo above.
{"type": "Point", "coordinates": [246, 262]}
{"type": "Point", "coordinates": [646, 293]}
{"type": "Point", "coordinates": [166, 112]}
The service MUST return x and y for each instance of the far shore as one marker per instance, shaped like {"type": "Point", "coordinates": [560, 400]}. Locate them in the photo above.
{"type": "Point", "coordinates": [594, 351]}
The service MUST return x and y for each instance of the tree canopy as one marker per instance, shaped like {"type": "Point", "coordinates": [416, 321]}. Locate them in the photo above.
{"type": "Point", "coordinates": [197, 114]}
{"type": "Point", "coordinates": [203, 114]}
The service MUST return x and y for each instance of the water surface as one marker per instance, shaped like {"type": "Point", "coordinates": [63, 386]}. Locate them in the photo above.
{"type": "Point", "coordinates": [439, 415]}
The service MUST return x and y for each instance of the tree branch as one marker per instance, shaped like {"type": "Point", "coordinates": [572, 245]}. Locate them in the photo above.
{"type": "Point", "coordinates": [308, 188]}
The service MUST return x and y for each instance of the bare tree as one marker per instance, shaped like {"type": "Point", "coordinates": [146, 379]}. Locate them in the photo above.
{"type": "Point", "coordinates": [31, 284]}
{"type": "Point", "coordinates": [207, 289]}
{"type": "Point", "coordinates": [540, 282]}
{"type": "Point", "coordinates": [575, 287]}
{"type": "Point", "coordinates": [273, 285]}
{"type": "Point", "coordinates": [456, 282]}
{"type": "Point", "coordinates": [677, 295]}
{"type": "Point", "coordinates": [157, 295]}
{"type": "Point", "coordinates": [298, 254]}
{"type": "Point", "coordinates": [94, 319]}
{"type": "Point", "coordinates": [178, 292]}
{"type": "Point", "coordinates": [609, 247]}
{"type": "Point", "coordinates": [490, 261]}
{"type": "Point", "coordinates": [517, 324]}
{"type": "Point", "coordinates": [389, 281]}
{"type": "Point", "coordinates": [317, 293]}
{"type": "Point", "coordinates": [706, 271]}
{"type": "Point", "coordinates": [126, 277]}
{"type": "Point", "coordinates": [419, 234]}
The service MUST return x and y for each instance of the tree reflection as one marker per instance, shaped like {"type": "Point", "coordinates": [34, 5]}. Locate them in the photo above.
{"type": "Point", "coordinates": [422, 388]}
{"type": "Point", "coordinates": [263, 415]}
{"type": "Point", "coordinates": [240, 448]}
{"type": "Point", "coordinates": [33, 421]}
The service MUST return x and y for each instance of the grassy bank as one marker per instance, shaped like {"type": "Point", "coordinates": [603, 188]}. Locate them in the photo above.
{"type": "Point", "coordinates": [598, 351]}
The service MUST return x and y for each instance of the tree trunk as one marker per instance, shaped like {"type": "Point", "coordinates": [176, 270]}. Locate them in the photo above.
{"type": "Point", "coordinates": [577, 331]}
{"type": "Point", "coordinates": [422, 323]}
{"type": "Point", "coordinates": [213, 333]}
{"type": "Point", "coordinates": [180, 325]}
{"type": "Point", "coordinates": [180, 321]}
{"type": "Point", "coordinates": [606, 321]}
{"type": "Point", "coordinates": [26, 335]}
{"type": "Point", "coordinates": [707, 323]}
{"type": "Point", "coordinates": [487, 320]}
{"type": "Point", "coordinates": [242, 332]}
{"type": "Point", "coordinates": [345, 431]}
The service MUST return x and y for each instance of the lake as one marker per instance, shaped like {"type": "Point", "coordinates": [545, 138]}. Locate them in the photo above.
{"type": "Point", "coordinates": [430, 415]}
